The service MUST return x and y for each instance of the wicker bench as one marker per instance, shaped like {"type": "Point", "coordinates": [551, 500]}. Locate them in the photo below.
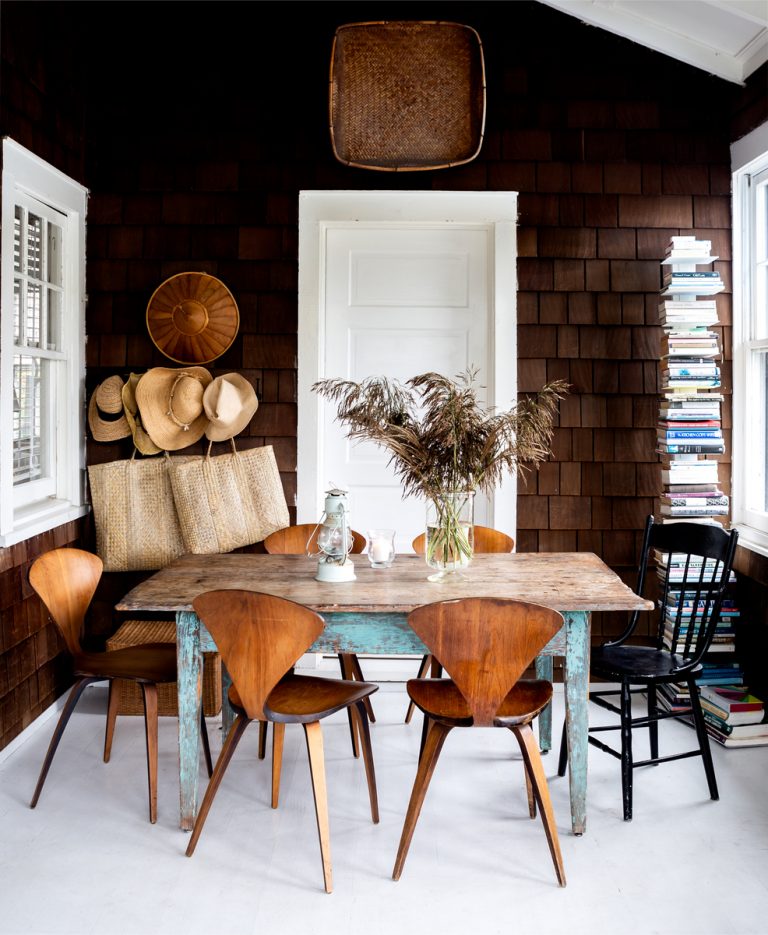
{"type": "Point", "coordinates": [131, 633]}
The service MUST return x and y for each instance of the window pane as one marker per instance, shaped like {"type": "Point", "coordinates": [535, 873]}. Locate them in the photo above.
{"type": "Point", "coordinates": [35, 246]}
{"type": "Point", "coordinates": [54, 242]}
{"type": "Point", "coordinates": [53, 338]}
{"type": "Point", "coordinates": [28, 389]}
{"type": "Point", "coordinates": [16, 311]}
{"type": "Point", "coordinates": [760, 271]}
{"type": "Point", "coordinates": [32, 315]}
{"type": "Point", "coordinates": [17, 223]}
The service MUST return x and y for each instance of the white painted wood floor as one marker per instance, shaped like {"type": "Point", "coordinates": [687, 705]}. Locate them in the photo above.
{"type": "Point", "coordinates": [88, 861]}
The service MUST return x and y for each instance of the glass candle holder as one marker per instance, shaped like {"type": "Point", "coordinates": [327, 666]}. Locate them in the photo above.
{"type": "Point", "coordinates": [381, 547]}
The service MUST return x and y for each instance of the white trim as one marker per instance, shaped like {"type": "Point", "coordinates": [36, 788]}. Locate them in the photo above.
{"type": "Point", "coordinates": [749, 148]}
{"type": "Point", "coordinates": [27, 174]}
{"type": "Point", "coordinates": [31, 729]}
{"type": "Point", "coordinates": [495, 210]}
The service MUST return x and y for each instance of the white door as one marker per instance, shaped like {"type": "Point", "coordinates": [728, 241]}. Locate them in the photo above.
{"type": "Point", "coordinates": [401, 300]}
{"type": "Point", "coordinates": [396, 284]}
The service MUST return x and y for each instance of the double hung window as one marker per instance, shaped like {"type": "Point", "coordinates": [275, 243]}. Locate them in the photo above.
{"type": "Point", "coordinates": [42, 346]}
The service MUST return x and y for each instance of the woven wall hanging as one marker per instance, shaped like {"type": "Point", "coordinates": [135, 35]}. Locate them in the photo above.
{"type": "Point", "coordinates": [406, 96]}
{"type": "Point", "coordinates": [192, 318]}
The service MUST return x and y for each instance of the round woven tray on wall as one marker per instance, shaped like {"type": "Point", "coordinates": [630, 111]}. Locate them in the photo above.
{"type": "Point", "coordinates": [406, 96]}
{"type": "Point", "coordinates": [192, 318]}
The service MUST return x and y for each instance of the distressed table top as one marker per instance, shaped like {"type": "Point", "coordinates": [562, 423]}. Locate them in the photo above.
{"type": "Point", "coordinates": [566, 581]}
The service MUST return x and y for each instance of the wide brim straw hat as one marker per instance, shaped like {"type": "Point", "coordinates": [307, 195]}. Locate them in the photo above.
{"type": "Point", "coordinates": [141, 440]}
{"type": "Point", "coordinates": [192, 318]}
{"type": "Point", "coordinates": [106, 400]}
{"type": "Point", "coordinates": [230, 402]}
{"type": "Point", "coordinates": [170, 401]}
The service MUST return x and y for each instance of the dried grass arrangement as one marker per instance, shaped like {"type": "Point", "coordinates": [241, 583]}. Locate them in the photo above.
{"type": "Point", "coordinates": [444, 443]}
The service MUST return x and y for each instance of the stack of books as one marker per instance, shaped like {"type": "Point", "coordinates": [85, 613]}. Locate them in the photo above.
{"type": "Point", "coordinates": [734, 717]}
{"type": "Point", "coordinates": [689, 430]}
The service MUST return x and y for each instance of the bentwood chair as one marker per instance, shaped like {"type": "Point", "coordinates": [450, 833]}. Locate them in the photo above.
{"type": "Point", "coordinates": [260, 636]}
{"type": "Point", "coordinates": [485, 645]}
{"type": "Point", "coordinates": [693, 565]}
{"type": "Point", "coordinates": [296, 540]}
{"type": "Point", "coordinates": [485, 540]}
{"type": "Point", "coordinates": [66, 580]}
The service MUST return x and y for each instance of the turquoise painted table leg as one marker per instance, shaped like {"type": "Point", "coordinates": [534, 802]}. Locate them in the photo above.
{"type": "Point", "coordinates": [190, 672]}
{"type": "Point", "coordinates": [545, 670]}
{"type": "Point", "coordinates": [576, 680]}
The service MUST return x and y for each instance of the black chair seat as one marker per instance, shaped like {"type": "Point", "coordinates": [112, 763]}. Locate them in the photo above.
{"type": "Point", "coordinates": [637, 664]}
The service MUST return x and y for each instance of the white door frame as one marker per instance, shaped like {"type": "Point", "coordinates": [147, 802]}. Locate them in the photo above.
{"type": "Point", "coordinates": [495, 211]}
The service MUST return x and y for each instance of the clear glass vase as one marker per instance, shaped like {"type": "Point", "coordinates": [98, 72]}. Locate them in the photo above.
{"type": "Point", "coordinates": [449, 542]}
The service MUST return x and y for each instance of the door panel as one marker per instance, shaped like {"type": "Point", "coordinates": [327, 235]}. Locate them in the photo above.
{"type": "Point", "coordinates": [400, 300]}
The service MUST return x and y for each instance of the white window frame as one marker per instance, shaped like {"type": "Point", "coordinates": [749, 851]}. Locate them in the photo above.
{"type": "Point", "coordinates": [26, 176]}
{"type": "Point", "coordinates": [749, 164]}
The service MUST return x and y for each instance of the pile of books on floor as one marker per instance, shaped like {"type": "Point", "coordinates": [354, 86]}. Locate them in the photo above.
{"type": "Point", "coordinates": [689, 427]}
{"type": "Point", "coordinates": [734, 717]}
{"type": "Point", "coordinates": [724, 640]}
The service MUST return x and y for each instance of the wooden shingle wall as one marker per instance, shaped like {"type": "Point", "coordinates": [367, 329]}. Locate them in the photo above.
{"type": "Point", "coordinates": [612, 148]}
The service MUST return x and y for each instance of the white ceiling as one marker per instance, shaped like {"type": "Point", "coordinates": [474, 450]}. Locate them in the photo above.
{"type": "Point", "coordinates": [727, 38]}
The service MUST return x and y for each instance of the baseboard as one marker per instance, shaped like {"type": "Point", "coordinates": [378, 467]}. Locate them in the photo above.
{"type": "Point", "coordinates": [30, 730]}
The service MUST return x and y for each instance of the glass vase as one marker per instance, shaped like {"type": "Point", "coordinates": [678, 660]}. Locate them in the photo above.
{"type": "Point", "coordinates": [449, 542]}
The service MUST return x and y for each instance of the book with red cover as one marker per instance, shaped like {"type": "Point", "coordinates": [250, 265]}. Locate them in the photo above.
{"type": "Point", "coordinates": [731, 699]}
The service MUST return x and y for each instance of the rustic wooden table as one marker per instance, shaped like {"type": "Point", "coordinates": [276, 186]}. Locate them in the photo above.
{"type": "Point", "coordinates": [369, 616]}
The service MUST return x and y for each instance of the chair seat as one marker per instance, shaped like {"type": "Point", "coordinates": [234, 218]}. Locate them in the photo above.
{"type": "Point", "coordinates": [441, 700]}
{"type": "Point", "coordinates": [148, 662]}
{"type": "Point", "coordinates": [299, 699]}
{"type": "Point", "coordinates": [637, 664]}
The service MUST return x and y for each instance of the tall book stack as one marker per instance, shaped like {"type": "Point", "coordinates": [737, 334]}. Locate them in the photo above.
{"type": "Point", "coordinates": [690, 426]}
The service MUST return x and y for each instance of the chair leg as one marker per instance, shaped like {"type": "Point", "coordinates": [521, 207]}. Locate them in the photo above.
{"type": "Point", "coordinates": [230, 744]}
{"type": "Point", "coordinates": [69, 707]}
{"type": "Point", "coordinates": [424, 732]}
{"type": "Point", "coordinates": [262, 739]}
{"type": "Point", "coordinates": [703, 738]}
{"type": "Point", "coordinates": [653, 726]}
{"type": "Point", "coordinates": [427, 762]}
{"type": "Point", "coordinates": [370, 775]}
{"type": "Point", "coordinates": [529, 791]}
{"type": "Point", "coordinates": [149, 690]}
{"type": "Point", "coordinates": [314, 735]}
{"type": "Point", "coordinates": [426, 661]}
{"type": "Point", "coordinates": [626, 750]}
{"type": "Point", "coordinates": [361, 678]}
{"type": "Point", "coordinates": [562, 761]}
{"type": "Point", "coordinates": [347, 672]}
{"type": "Point", "coordinates": [535, 770]}
{"type": "Point", "coordinates": [112, 705]}
{"type": "Point", "coordinates": [206, 744]}
{"type": "Point", "coordinates": [278, 736]}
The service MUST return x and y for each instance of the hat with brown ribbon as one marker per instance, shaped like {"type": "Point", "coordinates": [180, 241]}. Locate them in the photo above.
{"type": "Point", "coordinates": [171, 405]}
{"type": "Point", "coordinates": [106, 400]}
{"type": "Point", "coordinates": [230, 402]}
{"type": "Point", "coordinates": [141, 440]}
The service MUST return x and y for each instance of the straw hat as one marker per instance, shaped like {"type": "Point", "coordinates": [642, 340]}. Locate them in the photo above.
{"type": "Point", "coordinates": [171, 405]}
{"type": "Point", "coordinates": [230, 402]}
{"type": "Point", "coordinates": [107, 400]}
{"type": "Point", "coordinates": [141, 440]}
{"type": "Point", "coordinates": [192, 318]}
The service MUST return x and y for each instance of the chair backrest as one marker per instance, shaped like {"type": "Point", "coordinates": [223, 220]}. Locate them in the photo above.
{"type": "Point", "coordinates": [693, 563]}
{"type": "Point", "coordinates": [259, 637]}
{"type": "Point", "coordinates": [485, 539]}
{"type": "Point", "coordinates": [485, 644]}
{"type": "Point", "coordinates": [66, 580]}
{"type": "Point", "coordinates": [295, 540]}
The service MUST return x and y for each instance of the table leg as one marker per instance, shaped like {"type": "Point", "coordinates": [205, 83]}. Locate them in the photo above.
{"type": "Point", "coordinates": [227, 714]}
{"type": "Point", "coordinates": [545, 670]}
{"type": "Point", "coordinates": [576, 681]}
{"type": "Point", "coordinates": [190, 672]}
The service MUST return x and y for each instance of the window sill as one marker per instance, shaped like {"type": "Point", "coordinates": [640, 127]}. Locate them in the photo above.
{"type": "Point", "coordinates": [36, 519]}
{"type": "Point", "coordinates": [752, 539]}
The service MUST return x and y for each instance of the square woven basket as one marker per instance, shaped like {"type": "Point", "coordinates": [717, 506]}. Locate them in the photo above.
{"type": "Point", "coordinates": [406, 95]}
{"type": "Point", "coordinates": [131, 701]}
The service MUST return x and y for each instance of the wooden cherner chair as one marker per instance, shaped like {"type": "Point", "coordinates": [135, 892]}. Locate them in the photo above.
{"type": "Point", "coordinates": [65, 580]}
{"type": "Point", "coordinates": [296, 540]}
{"type": "Point", "coordinates": [485, 539]}
{"type": "Point", "coordinates": [260, 636]}
{"type": "Point", "coordinates": [693, 566]}
{"type": "Point", "coordinates": [485, 644]}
